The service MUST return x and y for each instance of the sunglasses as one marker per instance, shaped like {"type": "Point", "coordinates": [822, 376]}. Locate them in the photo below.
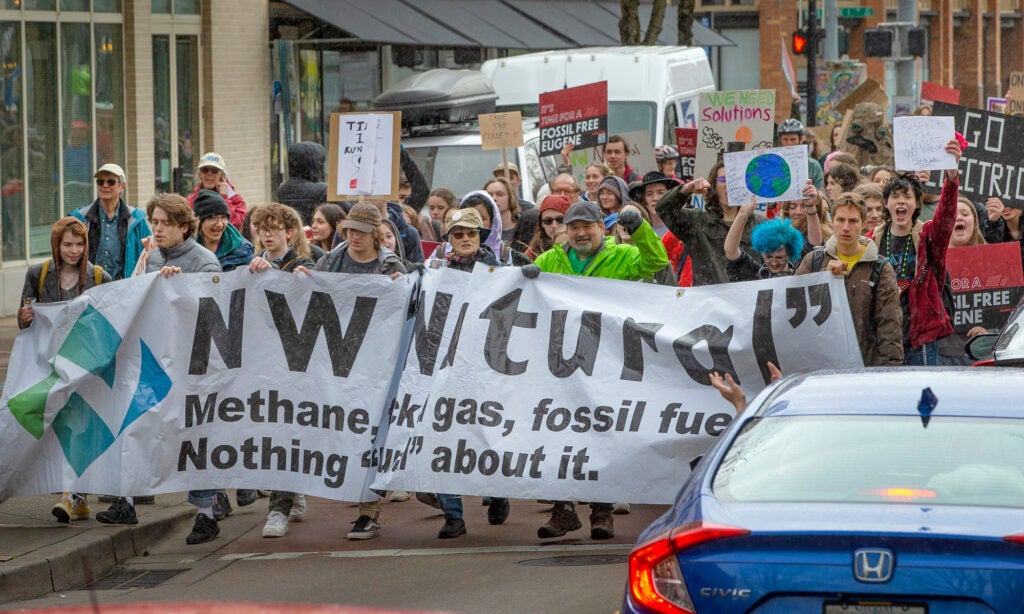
{"type": "Point", "coordinates": [461, 234]}
{"type": "Point", "coordinates": [209, 170]}
{"type": "Point", "coordinates": [552, 220]}
{"type": "Point", "coordinates": [107, 182]}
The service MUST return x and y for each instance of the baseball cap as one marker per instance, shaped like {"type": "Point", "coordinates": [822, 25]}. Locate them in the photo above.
{"type": "Point", "coordinates": [113, 169]}
{"type": "Point", "coordinates": [583, 211]}
{"type": "Point", "coordinates": [362, 216]}
{"type": "Point", "coordinates": [512, 168]}
{"type": "Point", "coordinates": [211, 159]}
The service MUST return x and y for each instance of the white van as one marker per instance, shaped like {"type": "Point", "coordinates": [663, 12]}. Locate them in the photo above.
{"type": "Point", "coordinates": [649, 88]}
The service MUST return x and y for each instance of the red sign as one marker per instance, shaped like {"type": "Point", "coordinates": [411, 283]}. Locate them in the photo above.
{"type": "Point", "coordinates": [933, 92]}
{"type": "Point", "coordinates": [429, 247]}
{"type": "Point", "coordinates": [577, 114]}
{"type": "Point", "coordinates": [686, 142]}
{"type": "Point", "coordinates": [986, 281]}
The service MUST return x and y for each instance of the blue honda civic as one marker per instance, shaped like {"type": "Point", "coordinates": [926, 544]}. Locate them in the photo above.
{"type": "Point", "coordinates": [878, 491]}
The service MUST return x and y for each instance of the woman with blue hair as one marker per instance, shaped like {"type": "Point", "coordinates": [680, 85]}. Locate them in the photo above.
{"type": "Point", "coordinates": [776, 240]}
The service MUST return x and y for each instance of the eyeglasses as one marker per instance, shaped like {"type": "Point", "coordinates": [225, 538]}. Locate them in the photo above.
{"type": "Point", "coordinates": [720, 179]}
{"type": "Point", "coordinates": [269, 229]}
{"type": "Point", "coordinates": [552, 220]}
{"type": "Point", "coordinates": [209, 170]}
{"type": "Point", "coordinates": [564, 191]}
{"type": "Point", "coordinates": [462, 234]}
{"type": "Point", "coordinates": [107, 182]}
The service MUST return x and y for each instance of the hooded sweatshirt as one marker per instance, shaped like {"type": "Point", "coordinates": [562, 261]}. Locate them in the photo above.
{"type": "Point", "coordinates": [234, 250]}
{"type": "Point", "coordinates": [305, 189]}
{"type": "Point", "coordinates": [494, 239]}
{"type": "Point", "coordinates": [617, 185]}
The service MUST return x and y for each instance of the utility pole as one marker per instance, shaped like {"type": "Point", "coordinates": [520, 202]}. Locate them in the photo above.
{"type": "Point", "coordinates": [812, 61]}
{"type": "Point", "coordinates": [906, 65]}
{"type": "Point", "coordinates": [831, 30]}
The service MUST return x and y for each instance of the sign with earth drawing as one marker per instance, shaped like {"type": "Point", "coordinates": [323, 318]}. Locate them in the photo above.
{"type": "Point", "coordinates": [771, 175]}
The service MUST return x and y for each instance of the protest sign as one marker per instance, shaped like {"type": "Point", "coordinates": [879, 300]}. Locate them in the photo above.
{"type": "Point", "coordinates": [153, 385]}
{"type": "Point", "coordinates": [363, 156]}
{"type": "Point", "coordinates": [517, 389]}
{"type": "Point", "coordinates": [995, 105]}
{"type": "Point", "coordinates": [1015, 96]}
{"type": "Point", "coordinates": [868, 91]}
{"type": "Point", "coordinates": [577, 115]}
{"type": "Point", "coordinates": [641, 155]}
{"type": "Point", "coordinates": [733, 121]}
{"type": "Point", "coordinates": [686, 144]}
{"type": "Point", "coordinates": [919, 142]}
{"type": "Point", "coordinates": [770, 176]}
{"type": "Point", "coordinates": [987, 283]}
{"type": "Point", "coordinates": [501, 130]}
{"type": "Point", "coordinates": [933, 92]}
{"type": "Point", "coordinates": [993, 163]}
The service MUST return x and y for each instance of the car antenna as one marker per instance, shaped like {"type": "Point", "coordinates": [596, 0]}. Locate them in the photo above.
{"type": "Point", "coordinates": [926, 405]}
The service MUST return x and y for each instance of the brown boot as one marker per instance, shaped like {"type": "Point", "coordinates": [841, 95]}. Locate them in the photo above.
{"type": "Point", "coordinates": [601, 524]}
{"type": "Point", "coordinates": [561, 520]}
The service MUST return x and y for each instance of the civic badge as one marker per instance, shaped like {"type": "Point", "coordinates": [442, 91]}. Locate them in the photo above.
{"type": "Point", "coordinates": [873, 565]}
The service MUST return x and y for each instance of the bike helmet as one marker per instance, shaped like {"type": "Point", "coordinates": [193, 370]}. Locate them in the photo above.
{"type": "Point", "coordinates": [790, 126]}
{"type": "Point", "coordinates": [665, 152]}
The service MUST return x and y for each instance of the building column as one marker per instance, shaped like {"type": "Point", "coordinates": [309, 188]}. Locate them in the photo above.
{"type": "Point", "coordinates": [968, 55]}
{"type": "Point", "coordinates": [940, 45]}
{"type": "Point", "coordinates": [993, 52]}
{"type": "Point", "coordinates": [777, 22]}
{"type": "Point", "coordinates": [138, 91]}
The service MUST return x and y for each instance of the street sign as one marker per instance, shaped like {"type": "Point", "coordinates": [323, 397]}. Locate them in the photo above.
{"type": "Point", "coordinates": [849, 12]}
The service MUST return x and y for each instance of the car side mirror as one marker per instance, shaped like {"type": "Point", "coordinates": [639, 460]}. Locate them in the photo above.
{"type": "Point", "coordinates": [980, 347]}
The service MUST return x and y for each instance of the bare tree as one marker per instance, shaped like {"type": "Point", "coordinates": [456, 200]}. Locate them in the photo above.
{"type": "Point", "coordinates": [629, 22]}
{"type": "Point", "coordinates": [684, 22]}
{"type": "Point", "coordinates": [657, 18]}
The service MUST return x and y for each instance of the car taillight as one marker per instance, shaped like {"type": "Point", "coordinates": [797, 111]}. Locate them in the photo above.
{"type": "Point", "coordinates": [1017, 539]}
{"type": "Point", "coordinates": [902, 493]}
{"type": "Point", "coordinates": [655, 580]}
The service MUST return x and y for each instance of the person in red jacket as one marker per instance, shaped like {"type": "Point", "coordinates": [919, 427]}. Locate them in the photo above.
{"type": "Point", "coordinates": [211, 174]}
{"type": "Point", "coordinates": [917, 253]}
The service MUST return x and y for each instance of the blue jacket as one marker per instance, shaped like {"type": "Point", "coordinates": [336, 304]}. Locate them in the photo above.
{"type": "Point", "coordinates": [131, 230]}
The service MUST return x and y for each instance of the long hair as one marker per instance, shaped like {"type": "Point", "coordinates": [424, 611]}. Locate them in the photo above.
{"type": "Point", "coordinates": [976, 237]}
{"type": "Point", "coordinates": [286, 217]}
{"type": "Point", "coordinates": [76, 228]}
{"type": "Point", "coordinates": [513, 202]}
{"type": "Point", "coordinates": [711, 203]}
{"type": "Point", "coordinates": [177, 210]}
{"type": "Point", "coordinates": [334, 215]}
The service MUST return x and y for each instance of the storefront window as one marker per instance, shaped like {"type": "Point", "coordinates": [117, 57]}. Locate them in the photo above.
{"type": "Point", "coordinates": [12, 149]}
{"type": "Point", "coordinates": [110, 113]}
{"type": "Point", "coordinates": [74, 5]}
{"type": "Point", "coordinates": [77, 154]}
{"type": "Point", "coordinates": [42, 110]}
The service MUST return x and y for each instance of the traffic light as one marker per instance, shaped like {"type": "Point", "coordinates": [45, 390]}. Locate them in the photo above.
{"type": "Point", "coordinates": [801, 43]}
{"type": "Point", "coordinates": [878, 42]}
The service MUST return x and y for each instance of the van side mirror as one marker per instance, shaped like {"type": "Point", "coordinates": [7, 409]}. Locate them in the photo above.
{"type": "Point", "coordinates": [980, 347]}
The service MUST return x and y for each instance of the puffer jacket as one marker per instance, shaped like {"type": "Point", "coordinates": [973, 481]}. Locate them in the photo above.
{"type": "Point", "coordinates": [877, 316]}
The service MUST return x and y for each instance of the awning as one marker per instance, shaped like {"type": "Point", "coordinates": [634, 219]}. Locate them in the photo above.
{"type": "Point", "coordinates": [502, 24]}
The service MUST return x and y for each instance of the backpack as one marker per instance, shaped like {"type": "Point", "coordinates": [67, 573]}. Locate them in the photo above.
{"type": "Point", "coordinates": [876, 266]}
{"type": "Point", "coordinates": [97, 272]}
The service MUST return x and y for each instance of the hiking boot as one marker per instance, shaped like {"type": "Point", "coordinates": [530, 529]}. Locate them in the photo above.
{"type": "Point", "coordinates": [497, 511]}
{"type": "Point", "coordinates": [453, 527]}
{"type": "Point", "coordinates": [429, 498]}
{"type": "Point", "coordinates": [601, 524]}
{"type": "Point", "coordinates": [71, 506]}
{"type": "Point", "coordinates": [119, 512]}
{"type": "Point", "coordinates": [246, 496]}
{"type": "Point", "coordinates": [365, 528]}
{"type": "Point", "coordinates": [221, 506]}
{"type": "Point", "coordinates": [277, 525]}
{"type": "Point", "coordinates": [561, 520]}
{"type": "Point", "coordinates": [620, 508]}
{"type": "Point", "coordinates": [298, 508]}
{"type": "Point", "coordinates": [204, 530]}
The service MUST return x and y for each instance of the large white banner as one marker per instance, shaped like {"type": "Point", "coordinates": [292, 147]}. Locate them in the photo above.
{"type": "Point", "coordinates": [151, 385]}
{"type": "Point", "coordinates": [597, 390]}
{"type": "Point", "coordinates": [561, 387]}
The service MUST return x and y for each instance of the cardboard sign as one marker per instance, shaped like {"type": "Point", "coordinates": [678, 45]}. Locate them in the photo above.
{"type": "Point", "coordinates": [686, 143]}
{"type": "Point", "coordinates": [1015, 97]}
{"type": "Point", "coordinates": [501, 130]}
{"type": "Point", "coordinates": [363, 157]}
{"type": "Point", "coordinates": [993, 163]}
{"type": "Point", "coordinates": [987, 283]}
{"type": "Point", "coordinates": [933, 92]}
{"type": "Point", "coordinates": [733, 121]}
{"type": "Point", "coordinates": [869, 91]}
{"type": "Point", "coordinates": [577, 114]}
{"type": "Point", "coordinates": [641, 155]}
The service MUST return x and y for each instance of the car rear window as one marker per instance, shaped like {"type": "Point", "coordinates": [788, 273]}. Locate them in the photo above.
{"type": "Point", "coordinates": [461, 168]}
{"type": "Point", "coordinates": [952, 461]}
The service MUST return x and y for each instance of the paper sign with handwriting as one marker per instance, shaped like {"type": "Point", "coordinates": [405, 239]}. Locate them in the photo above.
{"type": "Point", "coordinates": [501, 130]}
{"type": "Point", "coordinates": [920, 143]}
{"type": "Point", "coordinates": [771, 175]}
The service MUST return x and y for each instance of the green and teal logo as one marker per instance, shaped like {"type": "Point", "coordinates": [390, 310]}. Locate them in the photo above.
{"type": "Point", "coordinates": [92, 344]}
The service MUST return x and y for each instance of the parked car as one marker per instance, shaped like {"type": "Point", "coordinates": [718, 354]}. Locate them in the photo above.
{"type": "Point", "coordinates": [871, 491]}
{"type": "Point", "coordinates": [1002, 349]}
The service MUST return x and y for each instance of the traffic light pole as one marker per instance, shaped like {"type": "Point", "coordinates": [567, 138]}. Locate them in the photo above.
{"type": "Point", "coordinates": [906, 66]}
{"type": "Point", "coordinates": [812, 62]}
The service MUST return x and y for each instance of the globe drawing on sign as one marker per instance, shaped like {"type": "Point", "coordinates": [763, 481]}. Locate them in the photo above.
{"type": "Point", "coordinates": [768, 176]}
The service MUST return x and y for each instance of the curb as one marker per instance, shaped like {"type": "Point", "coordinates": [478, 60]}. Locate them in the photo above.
{"type": "Point", "coordinates": [87, 557]}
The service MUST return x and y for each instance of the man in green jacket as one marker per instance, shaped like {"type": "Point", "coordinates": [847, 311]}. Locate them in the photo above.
{"type": "Point", "coordinates": [589, 253]}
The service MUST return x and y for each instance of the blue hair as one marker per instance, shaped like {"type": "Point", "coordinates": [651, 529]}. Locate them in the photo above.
{"type": "Point", "coordinates": [773, 234]}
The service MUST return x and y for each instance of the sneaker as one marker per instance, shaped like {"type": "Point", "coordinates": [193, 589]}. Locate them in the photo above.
{"type": "Point", "coordinates": [71, 506]}
{"type": "Point", "coordinates": [277, 525]}
{"type": "Point", "coordinates": [204, 530]}
{"type": "Point", "coordinates": [453, 527]}
{"type": "Point", "coordinates": [365, 528]}
{"type": "Point", "coordinates": [428, 498]}
{"type": "Point", "coordinates": [221, 506]}
{"type": "Point", "coordinates": [246, 496]}
{"type": "Point", "coordinates": [120, 512]}
{"type": "Point", "coordinates": [497, 511]}
{"type": "Point", "coordinates": [561, 520]}
{"type": "Point", "coordinates": [298, 508]}
{"type": "Point", "coordinates": [620, 508]}
{"type": "Point", "coordinates": [601, 524]}
{"type": "Point", "coordinates": [397, 496]}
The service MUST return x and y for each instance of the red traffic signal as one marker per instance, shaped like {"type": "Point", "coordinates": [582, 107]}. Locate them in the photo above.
{"type": "Point", "coordinates": [801, 45]}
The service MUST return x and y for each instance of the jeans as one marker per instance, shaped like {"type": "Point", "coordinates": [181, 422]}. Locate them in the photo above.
{"type": "Point", "coordinates": [451, 505]}
{"type": "Point", "coordinates": [201, 498]}
{"type": "Point", "coordinates": [926, 355]}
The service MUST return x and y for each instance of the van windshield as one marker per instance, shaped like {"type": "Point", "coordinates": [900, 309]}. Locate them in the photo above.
{"type": "Point", "coordinates": [461, 168]}
{"type": "Point", "coordinates": [623, 116]}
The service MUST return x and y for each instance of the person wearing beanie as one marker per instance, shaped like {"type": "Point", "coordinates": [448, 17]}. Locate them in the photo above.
{"type": "Point", "coordinates": [217, 235]}
{"type": "Point", "coordinates": [612, 193]}
{"type": "Point", "coordinates": [550, 224]}
{"type": "Point", "coordinates": [212, 174]}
